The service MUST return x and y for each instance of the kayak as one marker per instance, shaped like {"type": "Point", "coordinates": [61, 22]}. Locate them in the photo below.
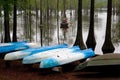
{"type": "Point", "coordinates": [23, 53]}
{"type": "Point", "coordinates": [9, 47]}
{"type": "Point", "coordinates": [65, 58]}
{"type": "Point", "coordinates": [11, 43]}
{"type": "Point", "coordinates": [35, 58]}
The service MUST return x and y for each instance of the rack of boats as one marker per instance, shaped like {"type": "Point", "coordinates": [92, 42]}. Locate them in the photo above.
{"type": "Point", "coordinates": [47, 56]}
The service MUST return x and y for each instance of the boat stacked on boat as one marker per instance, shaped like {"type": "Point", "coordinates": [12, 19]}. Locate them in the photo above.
{"type": "Point", "coordinates": [65, 58]}
{"type": "Point", "coordinates": [27, 52]}
{"type": "Point", "coordinates": [47, 56]}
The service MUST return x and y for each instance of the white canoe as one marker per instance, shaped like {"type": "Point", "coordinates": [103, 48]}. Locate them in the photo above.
{"type": "Point", "coordinates": [65, 58]}
{"type": "Point", "coordinates": [23, 53]}
{"type": "Point", "coordinates": [35, 58]}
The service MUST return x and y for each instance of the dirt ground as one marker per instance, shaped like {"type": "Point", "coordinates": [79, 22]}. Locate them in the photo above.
{"type": "Point", "coordinates": [18, 71]}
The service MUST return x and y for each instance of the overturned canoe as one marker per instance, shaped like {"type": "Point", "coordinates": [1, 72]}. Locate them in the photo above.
{"type": "Point", "coordinates": [11, 43]}
{"type": "Point", "coordinates": [15, 46]}
{"type": "Point", "coordinates": [24, 53]}
{"type": "Point", "coordinates": [35, 58]}
{"type": "Point", "coordinates": [65, 58]}
{"type": "Point", "coordinates": [100, 63]}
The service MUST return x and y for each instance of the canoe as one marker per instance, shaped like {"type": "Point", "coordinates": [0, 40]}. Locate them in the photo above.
{"type": "Point", "coordinates": [103, 62]}
{"type": "Point", "coordinates": [23, 53]}
{"type": "Point", "coordinates": [36, 58]}
{"type": "Point", "coordinates": [11, 43]}
{"type": "Point", "coordinates": [65, 58]}
{"type": "Point", "coordinates": [9, 47]}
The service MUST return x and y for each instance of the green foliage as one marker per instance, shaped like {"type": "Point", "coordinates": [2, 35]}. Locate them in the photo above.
{"type": "Point", "coordinates": [7, 5]}
{"type": "Point", "coordinates": [116, 37]}
{"type": "Point", "coordinates": [101, 4]}
{"type": "Point", "coordinates": [117, 3]}
{"type": "Point", "coordinates": [116, 33]}
{"type": "Point", "coordinates": [52, 4]}
{"type": "Point", "coordinates": [86, 4]}
{"type": "Point", "coordinates": [98, 4]}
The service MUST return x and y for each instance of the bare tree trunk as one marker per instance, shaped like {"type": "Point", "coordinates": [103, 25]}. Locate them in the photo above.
{"type": "Point", "coordinates": [6, 23]}
{"type": "Point", "coordinates": [30, 22]}
{"type": "Point", "coordinates": [1, 24]}
{"type": "Point", "coordinates": [64, 10]}
{"type": "Point", "coordinates": [15, 22]}
{"type": "Point", "coordinates": [48, 27]}
{"type": "Point", "coordinates": [58, 21]}
{"type": "Point", "coordinates": [108, 46]}
{"type": "Point", "coordinates": [36, 18]}
{"type": "Point", "coordinates": [41, 22]}
{"type": "Point", "coordinates": [91, 43]}
{"type": "Point", "coordinates": [79, 38]}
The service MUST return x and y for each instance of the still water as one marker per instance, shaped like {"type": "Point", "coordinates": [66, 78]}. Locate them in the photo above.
{"type": "Point", "coordinates": [100, 27]}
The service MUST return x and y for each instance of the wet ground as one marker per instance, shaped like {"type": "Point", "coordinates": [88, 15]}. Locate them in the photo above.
{"type": "Point", "coordinates": [17, 71]}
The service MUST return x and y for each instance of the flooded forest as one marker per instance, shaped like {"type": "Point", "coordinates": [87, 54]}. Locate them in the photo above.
{"type": "Point", "coordinates": [40, 21]}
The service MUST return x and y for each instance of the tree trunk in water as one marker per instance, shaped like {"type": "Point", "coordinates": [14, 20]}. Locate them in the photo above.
{"type": "Point", "coordinates": [79, 38]}
{"type": "Point", "coordinates": [41, 22]}
{"type": "Point", "coordinates": [30, 22]}
{"type": "Point", "coordinates": [25, 24]}
{"type": "Point", "coordinates": [6, 24]}
{"type": "Point", "coordinates": [108, 46]}
{"type": "Point", "coordinates": [64, 10]}
{"type": "Point", "coordinates": [1, 24]}
{"type": "Point", "coordinates": [47, 21]}
{"type": "Point", "coordinates": [58, 21]}
{"type": "Point", "coordinates": [36, 18]}
{"type": "Point", "coordinates": [15, 22]}
{"type": "Point", "coordinates": [91, 43]}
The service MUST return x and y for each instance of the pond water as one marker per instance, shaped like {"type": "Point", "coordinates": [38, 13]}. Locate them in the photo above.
{"type": "Point", "coordinates": [100, 27]}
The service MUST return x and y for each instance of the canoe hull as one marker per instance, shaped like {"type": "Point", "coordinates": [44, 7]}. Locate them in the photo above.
{"type": "Point", "coordinates": [43, 55]}
{"type": "Point", "coordinates": [21, 54]}
{"type": "Point", "coordinates": [66, 58]}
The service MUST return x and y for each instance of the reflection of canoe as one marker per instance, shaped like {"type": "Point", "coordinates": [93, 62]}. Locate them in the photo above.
{"type": "Point", "coordinates": [9, 47]}
{"type": "Point", "coordinates": [35, 58]}
{"type": "Point", "coordinates": [24, 53]}
{"type": "Point", "coordinates": [103, 62]}
{"type": "Point", "coordinates": [65, 58]}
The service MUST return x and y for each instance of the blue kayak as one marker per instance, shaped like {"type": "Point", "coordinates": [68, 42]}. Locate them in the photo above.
{"type": "Point", "coordinates": [36, 58]}
{"type": "Point", "coordinates": [65, 58]}
{"type": "Point", "coordinates": [23, 53]}
{"type": "Point", "coordinates": [15, 46]}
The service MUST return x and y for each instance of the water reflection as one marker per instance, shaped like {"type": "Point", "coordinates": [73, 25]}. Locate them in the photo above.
{"type": "Point", "coordinates": [100, 27]}
{"type": "Point", "coordinates": [50, 33]}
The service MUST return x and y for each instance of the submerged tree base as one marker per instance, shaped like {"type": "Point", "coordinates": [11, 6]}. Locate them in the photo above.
{"type": "Point", "coordinates": [108, 47]}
